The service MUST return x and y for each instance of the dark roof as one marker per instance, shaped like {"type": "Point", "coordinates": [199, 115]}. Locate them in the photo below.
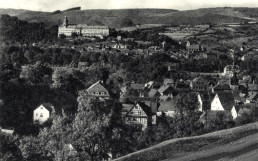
{"type": "Point", "coordinates": [149, 107]}
{"type": "Point", "coordinates": [48, 106]}
{"type": "Point", "coordinates": [237, 96]}
{"type": "Point", "coordinates": [164, 88]}
{"type": "Point", "coordinates": [227, 100]}
{"type": "Point", "coordinates": [153, 105]}
{"type": "Point", "coordinates": [222, 87]}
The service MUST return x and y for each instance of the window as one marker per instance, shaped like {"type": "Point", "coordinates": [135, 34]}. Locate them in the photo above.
{"type": "Point", "coordinates": [36, 114]}
{"type": "Point", "coordinates": [41, 115]}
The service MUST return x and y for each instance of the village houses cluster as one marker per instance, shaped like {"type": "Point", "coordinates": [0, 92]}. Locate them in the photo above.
{"type": "Point", "coordinates": [151, 100]}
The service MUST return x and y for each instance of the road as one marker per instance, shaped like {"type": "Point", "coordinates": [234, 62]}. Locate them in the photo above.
{"type": "Point", "coordinates": [244, 149]}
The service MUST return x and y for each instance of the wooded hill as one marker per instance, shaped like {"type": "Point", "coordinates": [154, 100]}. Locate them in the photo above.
{"type": "Point", "coordinates": [116, 18]}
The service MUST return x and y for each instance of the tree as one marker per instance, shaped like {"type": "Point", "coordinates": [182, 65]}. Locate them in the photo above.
{"type": "Point", "coordinates": [188, 102]}
{"type": "Point", "coordinates": [8, 148]}
{"type": "Point", "coordinates": [92, 126]}
{"type": "Point", "coordinates": [37, 72]}
{"type": "Point", "coordinates": [50, 143]}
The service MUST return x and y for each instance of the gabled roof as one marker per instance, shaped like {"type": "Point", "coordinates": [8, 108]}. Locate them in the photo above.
{"type": "Point", "coordinates": [48, 106]}
{"type": "Point", "coordinates": [164, 88]}
{"type": "Point", "coordinates": [96, 87]}
{"type": "Point", "coordinates": [199, 79]}
{"type": "Point", "coordinates": [227, 100]}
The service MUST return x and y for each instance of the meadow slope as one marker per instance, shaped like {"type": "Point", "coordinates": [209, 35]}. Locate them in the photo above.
{"type": "Point", "coordinates": [238, 143]}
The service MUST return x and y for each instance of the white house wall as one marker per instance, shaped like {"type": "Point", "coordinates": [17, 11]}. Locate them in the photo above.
{"type": "Point", "coordinates": [216, 104]}
{"type": "Point", "coordinates": [41, 114]}
{"type": "Point", "coordinates": [233, 112]}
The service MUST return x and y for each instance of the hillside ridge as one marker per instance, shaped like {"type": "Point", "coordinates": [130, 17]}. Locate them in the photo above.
{"type": "Point", "coordinates": [115, 17]}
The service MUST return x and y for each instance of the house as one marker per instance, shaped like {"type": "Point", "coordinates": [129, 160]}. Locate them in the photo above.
{"type": "Point", "coordinates": [136, 89]}
{"type": "Point", "coordinates": [210, 115]}
{"type": "Point", "coordinates": [229, 70]}
{"type": "Point", "coordinates": [169, 81]}
{"type": "Point", "coordinates": [168, 108]}
{"type": "Point", "coordinates": [142, 114]}
{"type": "Point", "coordinates": [222, 101]}
{"type": "Point", "coordinates": [98, 90]}
{"type": "Point", "coordinates": [204, 100]}
{"type": "Point", "coordinates": [238, 110]}
{"type": "Point", "coordinates": [42, 113]}
{"type": "Point", "coordinates": [166, 90]}
{"type": "Point", "coordinates": [193, 48]}
{"type": "Point", "coordinates": [199, 84]}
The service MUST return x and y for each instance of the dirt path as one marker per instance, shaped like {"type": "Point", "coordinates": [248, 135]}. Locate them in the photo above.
{"type": "Point", "coordinates": [244, 149]}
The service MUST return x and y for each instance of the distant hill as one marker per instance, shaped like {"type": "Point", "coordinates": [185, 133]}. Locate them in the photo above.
{"type": "Point", "coordinates": [12, 12]}
{"type": "Point", "coordinates": [114, 18]}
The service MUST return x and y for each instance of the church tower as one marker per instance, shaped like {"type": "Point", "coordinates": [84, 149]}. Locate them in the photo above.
{"type": "Point", "coordinates": [65, 22]}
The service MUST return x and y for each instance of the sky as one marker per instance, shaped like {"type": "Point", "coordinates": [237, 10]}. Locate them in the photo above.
{"type": "Point", "coordinates": [52, 5]}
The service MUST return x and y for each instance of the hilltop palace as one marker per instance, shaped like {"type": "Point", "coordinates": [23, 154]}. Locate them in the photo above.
{"type": "Point", "coordinates": [82, 29]}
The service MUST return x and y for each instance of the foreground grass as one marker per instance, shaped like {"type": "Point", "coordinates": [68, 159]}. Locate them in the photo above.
{"type": "Point", "coordinates": [168, 148]}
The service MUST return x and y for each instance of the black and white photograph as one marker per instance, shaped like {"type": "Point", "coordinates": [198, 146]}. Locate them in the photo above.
{"type": "Point", "coordinates": [128, 80]}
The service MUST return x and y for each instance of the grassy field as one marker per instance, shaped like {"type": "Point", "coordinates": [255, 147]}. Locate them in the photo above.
{"type": "Point", "coordinates": [185, 148]}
